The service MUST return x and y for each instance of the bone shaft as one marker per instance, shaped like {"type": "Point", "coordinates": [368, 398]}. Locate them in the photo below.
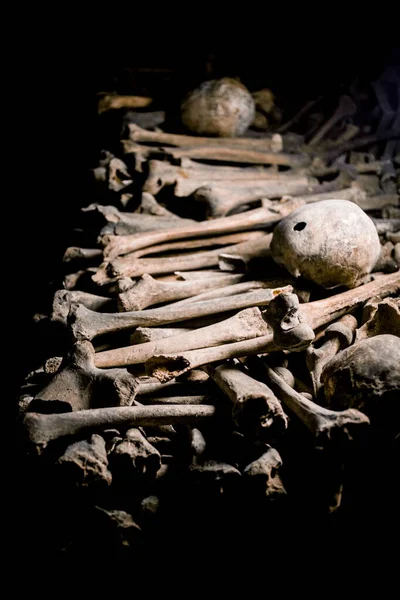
{"type": "Point", "coordinates": [178, 400]}
{"type": "Point", "coordinates": [241, 155]}
{"type": "Point", "coordinates": [224, 292]}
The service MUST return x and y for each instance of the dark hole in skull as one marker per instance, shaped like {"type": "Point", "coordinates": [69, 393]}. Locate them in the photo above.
{"type": "Point", "coordinates": [300, 226]}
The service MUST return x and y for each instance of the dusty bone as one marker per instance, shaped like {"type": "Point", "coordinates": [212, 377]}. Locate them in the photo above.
{"type": "Point", "coordinates": [204, 274]}
{"type": "Point", "coordinates": [140, 152]}
{"type": "Point", "coordinates": [255, 409]}
{"type": "Point", "coordinates": [316, 314]}
{"type": "Point", "coordinates": [264, 474]}
{"type": "Point", "coordinates": [126, 266]}
{"type": "Point", "coordinates": [240, 155]}
{"type": "Point", "coordinates": [87, 255]}
{"type": "Point", "coordinates": [259, 218]}
{"type": "Point", "coordinates": [86, 324]}
{"type": "Point", "coordinates": [80, 385]}
{"type": "Point", "coordinates": [179, 400]}
{"type": "Point", "coordinates": [380, 317]}
{"type": "Point", "coordinates": [221, 199]}
{"type": "Point", "coordinates": [117, 175]}
{"type": "Point", "coordinates": [116, 102]}
{"type": "Point", "coordinates": [150, 334]}
{"type": "Point", "coordinates": [149, 206]}
{"type": "Point", "coordinates": [43, 429]}
{"type": "Point", "coordinates": [148, 291]}
{"type": "Point", "coordinates": [244, 325]}
{"type": "Point", "coordinates": [291, 329]}
{"type": "Point", "coordinates": [135, 454]}
{"type": "Point", "coordinates": [64, 298]}
{"type": "Point", "coordinates": [346, 108]}
{"type": "Point", "coordinates": [337, 335]}
{"type": "Point", "coordinates": [137, 134]}
{"type": "Point", "coordinates": [87, 462]}
{"type": "Point", "coordinates": [189, 176]}
{"type": "Point", "coordinates": [327, 426]}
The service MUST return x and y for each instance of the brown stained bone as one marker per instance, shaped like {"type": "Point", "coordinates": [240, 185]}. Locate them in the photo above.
{"type": "Point", "coordinates": [116, 102]}
{"type": "Point", "coordinates": [240, 155]}
{"type": "Point", "coordinates": [149, 206]}
{"type": "Point", "coordinates": [338, 335]}
{"type": "Point", "coordinates": [346, 107]}
{"type": "Point", "coordinates": [80, 385]}
{"type": "Point", "coordinates": [140, 152]}
{"type": "Point", "coordinates": [150, 334]}
{"type": "Point", "coordinates": [264, 474]}
{"type": "Point", "coordinates": [43, 429]}
{"type": "Point", "coordinates": [291, 329]}
{"type": "Point", "coordinates": [148, 291]}
{"type": "Point", "coordinates": [189, 176]}
{"type": "Point", "coordinates": [259, 218]}
{"type": "Point", "coordinates": [316, 314]}
{"type": "Point", "coordinates": [179, 400]}
{"type": "Point", "coordinates": [380, 317]}
{"type": "Point", "coordinates": [86, 255]}
{"type": "Point", "coordinates": [126, 266]}
{"type": "Point", "coordinates": [137, 134]}
{"type": "Point", "coordinates": [327, 426]}
{"type": "Point", "coordinates": [222, 199]}
{"type": "Point", "coordinates": [245, 325]}
{"type": "Point", "coordinates": [86, 324]}
{"type": "Point", "coordinates": [256, 410]}
{"type": "Point", "coordinates": [135, 455]}
{"type": "Point", "coordinates": [86, 462]}
{"type": "Point", "coordinates": [217, 476]}
{"type": "Point", "coordinates": [63, 299]}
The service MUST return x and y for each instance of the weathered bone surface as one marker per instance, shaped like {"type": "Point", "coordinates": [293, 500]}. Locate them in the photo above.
{"type": "Point", "coordinates": [240, 155]}
{"type": "Point", "coordinates": [87, 462]}
{"type": "Point", "coordinates": [256, 410]}
{"type": "Point", "coordinates": [135, 267]}
{"type": "Point", "coordinates": [135, 454]}
{"type": "Point", "coordinates": [337, 336]}
{"type": "Point", "coordinates": [116, 102]}
{"type": "Point", "coordinates": [86, 324]}
{"type": "Point", "coordinates": [366, 376]}
{"type": "Point", "coordinates": [315, 314]}
{"type": "Point", "coordinates": [63, 299]}
{"type": "Point", "coordinates": [264, 474]}
{"type": "Point", "coordinates": [328, 427]}
{"type": "Point", "coordinates": [150, 334]}
{"type": "Point", "coordinates": [259, 218]}
{"type": "Point", "coordinates": [148, 291]}
{"type": "Point", "coordinates": [43, 429]}
{"type": "Point", "coordinates": [245, 325]}
{"type": "Point", "coordinates": [331, 242]}
{"type": "Point", "coordinates": [87, 255]}
{"type": "Point", "coordinates": [222, 199]}
{"type": "Point", "coordinates": [80, 385]}
{"type": "Point", "coordinates": [380, 317]}
{"type": "Point", "coordinates": [149, 206]}
{"type": "Point", "coordinates": [291, 329]}
{"type": "Point", "coordinates": [267, 144]}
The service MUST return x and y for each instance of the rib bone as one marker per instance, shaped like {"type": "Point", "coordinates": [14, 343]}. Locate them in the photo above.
{"type": "Point", "coordinates": [42, 429]}
{"type": "Point", "coordinates": [86, 324]}
{"type": "Point", "coordinates": [244, 325]}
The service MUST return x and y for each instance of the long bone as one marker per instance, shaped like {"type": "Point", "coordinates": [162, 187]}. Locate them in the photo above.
{"type": "Point", "coordinates": [259, 218]}
{"type": "Point", "coordinates": [43, 429]}
{"type": "Point", "coordinates": [80, 385]}
{"type": "Point", "coordinates": [86, 324]}
{"type": "Point", "coordinates": [255, 409]}
{"type": "Point", "coordinates": [240, 155]}
{"type": "Point", "coordinates": [244, 325]}
{"type": "Point", "coordinates": [134, 267]}
{"type": "Point", "coordinates": [315, 314]}
{"type": "Point", "coordinates": [63, 299]}
{"type": "Point", "coordinates": [148, 291]}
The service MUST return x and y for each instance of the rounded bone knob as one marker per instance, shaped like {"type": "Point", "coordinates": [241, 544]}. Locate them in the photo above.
{"type": "Point", "coordinates": [221, 107]}
{"type": "Point", "coordinates": [366, 376]}
{"type": "Point", "coordinates": [331, 242]}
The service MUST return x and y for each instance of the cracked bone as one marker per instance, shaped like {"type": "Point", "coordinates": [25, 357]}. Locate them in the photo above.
{"type": "Point", "coordinates": [327, 426]}
{"type": "Point", "coordinates": [63, 299]}
{"type": "Point", "coordinates": [246, 324]}
{"type": "Point", "coordinates": [126, 266]}
{"type": "Point", "coordinates": [337, 336]}
{"type": "Point", "coordinates": [315, 314]}
{"type": "Point", "coordinates": [87, 324]}
{"type": "Point", "coordinates": [80, 385]}
{"type": "Point", "coordinates": [256, 410]}
{"type": "Point", "coordinates": [148, 291]}
{"type": "Point", "coordinates": [259, 218]}
{"type": "Point", "coordinates": [86, 461]}
{"type": "Point", "coordinates": [43, 429]}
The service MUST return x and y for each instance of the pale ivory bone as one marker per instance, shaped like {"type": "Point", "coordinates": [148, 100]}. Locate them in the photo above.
{"type": "Point", "coordinates": [315, 314]}
{"type": "Point", "coordinates": [244, 325]}
{"type": "Point", "coordinates": [64, 298]}
{"type": "Point", "coordinates": [86, 324]}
